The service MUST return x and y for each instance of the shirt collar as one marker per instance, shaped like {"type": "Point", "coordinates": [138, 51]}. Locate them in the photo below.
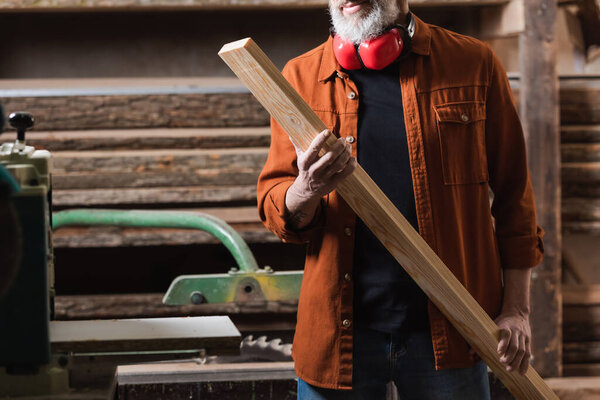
{"type": "Point", "coordinates": [421, 44]}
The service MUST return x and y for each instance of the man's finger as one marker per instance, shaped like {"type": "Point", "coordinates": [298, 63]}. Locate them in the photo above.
{"type": "Point", "coordinates": [341, 161]}
{"type": "Point", "coordinates": [323, 163]}
{"type": "Point", "coordinates": [516, 362]}
{"type": "Point", "coordinates": [511, 351]}
{"type": "Point", "coordinates": [348, 169]}
{"type": "Point", "coordinates": [312, 153]}
{"type": "Point", "coordinates": [504, 341]}
{"type": "Point", "coordinates": [526, 357]}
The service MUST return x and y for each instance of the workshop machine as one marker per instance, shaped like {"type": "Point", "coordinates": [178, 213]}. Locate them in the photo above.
{"type": "Point", "coordinates": [27, 302]}
{"type": "Point", "coordinates": [35, 350]}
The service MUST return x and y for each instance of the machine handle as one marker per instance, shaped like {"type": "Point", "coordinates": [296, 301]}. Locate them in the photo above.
{"type": "Point", "coordinates": [163, 219]}
{"type": "Point", "coordinates": [21, 121]}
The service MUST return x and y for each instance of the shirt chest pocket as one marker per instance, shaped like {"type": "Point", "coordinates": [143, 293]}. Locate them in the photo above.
{"type": "Point", "coordinates": [461, 131]}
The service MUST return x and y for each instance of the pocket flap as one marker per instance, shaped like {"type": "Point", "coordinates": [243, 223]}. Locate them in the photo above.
{"type": "Point", "coordinates": [462, 113]}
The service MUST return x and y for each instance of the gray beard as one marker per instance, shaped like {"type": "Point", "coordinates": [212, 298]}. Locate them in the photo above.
{"type": "Point", "coordinates": [359, 28]}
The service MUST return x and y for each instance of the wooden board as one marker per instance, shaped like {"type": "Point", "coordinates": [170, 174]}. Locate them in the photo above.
{"type": "Point", "coordinates": [579, 370]}
{"type": "Point", "coordinates": [214, 332]}
{"type": "Point", "coordinates": [580, 133]}
{"type": "Point", "coordinates": [182, 372]}
{"type": "Point", "coordinates": [286, 106]}
{"type": "Point", "coordinates": [581, 352]}
{"type": "Point", "coordinates": [101, 236]}
{"type": "Point", "coordinates": [580, 209]}
{"type": "Point", "coordinates": [581, 324]}
{"type": "Point", "coordinates": [583, 295]}
{"type": "Point", "coordinates": [579, 96]}
{"type": "Point", "coordinates": [580, 101]}
{"type": "Point", "coordinates": [133, 111]}
{"type": "Point", "coordinates": [155, 197]}
{"type": "Point", "coordinates": [103, 86]}
{"type": "Point", "coordinates": [152, 168]}
{"type": "Point", "coordinates": [143, 139]}
{"type": "Point", "coordinates": [580, 152]}
{"type": "Point", "coordinates": [247, 317]}
{"type": "Point", "coordinates": [244, 220]}
{"type": "Point", "coordinates": [187, 380]}
{"type": "Point", "coordinates": [150, 305]}
{"type": "Point", "coordinates": [133, 103]}
{"type": "Point", "coordinates": [581, 314]}
{"type": "Point", "coordinates": [169, 160]}
{"type": "Point", "coordinates": [583, 173]}
{"type": "Point", "coordinates": [84, 180]}
{"type": "Point", "coordinates": [574, 188]}
{"type": "Point", "coordinates": [581, 227]}
{"type": "Point", "coordinates": [85, 394]}
{"type": "Point", "coordinates": [141, 5]}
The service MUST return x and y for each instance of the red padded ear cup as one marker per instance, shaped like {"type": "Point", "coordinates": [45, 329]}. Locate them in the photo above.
{"type": "Point", "coordinates": [377, 53]}
{"type": "Point", "coordinates": [345, 53]}
{"type": "Point", "coordinates": [381, 51]}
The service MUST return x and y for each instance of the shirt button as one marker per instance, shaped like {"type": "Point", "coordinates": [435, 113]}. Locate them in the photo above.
{"type": "Point", "coordinates": [350, 139]}
{"type": "Point", "coordinates": [346, 323]}
{"type": "Point", "coordinates": [351, 95]}
{"type": "Point", "coordinates": [348, 231]}
{"type": "Point", "coordinates": [464, 117]}
{"type": "Point", "coordinates": [348, 277]}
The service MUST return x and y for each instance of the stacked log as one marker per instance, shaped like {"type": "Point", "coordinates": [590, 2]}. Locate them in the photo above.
{"type": "Point", "coordinates": [581, 330]}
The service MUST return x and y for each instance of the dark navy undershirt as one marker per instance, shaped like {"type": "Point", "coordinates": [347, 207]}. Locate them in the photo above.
{"type": "Point", "coordinates": [385, 297]}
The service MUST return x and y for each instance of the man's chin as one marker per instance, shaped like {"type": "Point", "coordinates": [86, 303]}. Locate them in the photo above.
{"type": "Point", "coordinates": [364, 22]}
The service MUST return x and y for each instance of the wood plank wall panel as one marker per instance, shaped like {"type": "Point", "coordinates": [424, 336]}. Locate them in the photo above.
{"type": "Point", "coordinates": [123, 111]}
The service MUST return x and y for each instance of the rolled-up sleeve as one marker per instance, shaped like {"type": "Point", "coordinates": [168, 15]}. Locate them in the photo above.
{"type": "Point", "coordinates": [276, 177]}
{"type": "Point", "coordinates": [518, 235]}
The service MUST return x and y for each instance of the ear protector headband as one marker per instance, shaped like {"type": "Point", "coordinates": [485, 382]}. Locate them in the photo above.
{"type": "Point", "coordinates": [376, 53]}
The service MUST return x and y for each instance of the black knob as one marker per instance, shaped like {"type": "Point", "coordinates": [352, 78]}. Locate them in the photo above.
{"type": "Point", "coordinates": [21, 121]}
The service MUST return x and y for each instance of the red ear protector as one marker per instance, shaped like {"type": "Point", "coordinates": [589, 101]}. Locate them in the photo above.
{"type": "Point", "coordinates": [376, 53]}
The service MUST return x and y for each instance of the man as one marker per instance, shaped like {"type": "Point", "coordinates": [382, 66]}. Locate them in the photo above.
{"type": "Point", "coordinates": [436, 127]}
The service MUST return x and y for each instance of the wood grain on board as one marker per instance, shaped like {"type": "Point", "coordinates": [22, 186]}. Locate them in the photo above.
{"type": "Point", "coordinates": [580, 133]}
{"type": "Point", "coordinates": [154, 197]}
{"type": "Point", "coordinates": [84, 104]}
{"type": "Point", "coordinates": [150, 305]}
{"type": "Point", "coordinates": [146, 139]}
{"type": "Point", "coordinates": [167, 160]}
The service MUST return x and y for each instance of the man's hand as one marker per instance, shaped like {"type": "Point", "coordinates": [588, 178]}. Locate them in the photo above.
{"type": "Point", "coordinates": [317, 176]}
{"type": "Point", "coordinates": [514, 347]}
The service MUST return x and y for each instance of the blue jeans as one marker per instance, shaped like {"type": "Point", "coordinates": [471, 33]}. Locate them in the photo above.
{"type": "Point", "coordinates": [407, 359]}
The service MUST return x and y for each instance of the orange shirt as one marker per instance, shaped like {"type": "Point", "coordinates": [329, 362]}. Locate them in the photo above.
{"type": "Point", "coordinates": [464, 138]}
